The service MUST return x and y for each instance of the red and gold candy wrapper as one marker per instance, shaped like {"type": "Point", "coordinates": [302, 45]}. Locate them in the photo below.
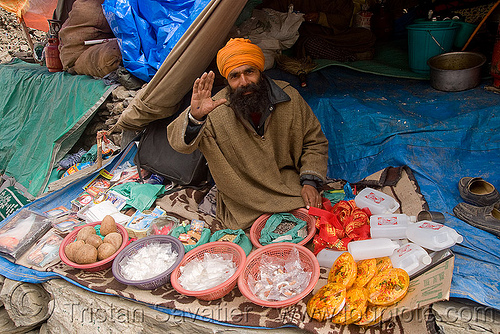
{"type": "Point", "coordinates": [355, 306]}
{"type": "Point", "coordinates": [327, 302]}
{"type": "Point", "coordinates": [340, 224]}
{"type": "Point", "coordinates": [366, 270]}
{"type": "Point", "coordinates": [388, 287]}
{"type": "Point", "coordinates": [343, 271]}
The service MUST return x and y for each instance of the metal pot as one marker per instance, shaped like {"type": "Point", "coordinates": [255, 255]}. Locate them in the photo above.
{"type": "Point", "coordinates": [456, 71]}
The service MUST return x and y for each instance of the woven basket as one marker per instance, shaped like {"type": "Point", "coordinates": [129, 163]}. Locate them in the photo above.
{"type": "Point", "coordinates": [133, 248]}
{"type": "Point", "coordinates": [281, 251]}
{"type": "Point", "coordinates": [96, 266]}
{"type": "Point", "coordinates": [216, 247]}
{"type": "Point", "coordinates": [302, 214]}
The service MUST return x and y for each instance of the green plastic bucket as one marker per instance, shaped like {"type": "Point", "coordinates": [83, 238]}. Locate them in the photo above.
{"type": "Point", "coordinates": [463, 33]}
{"type": "Point", "coordinates": [429, 39]}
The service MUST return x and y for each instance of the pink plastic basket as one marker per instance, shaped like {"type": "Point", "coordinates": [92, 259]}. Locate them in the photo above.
{"type": "Point", "coordinates": [216, 247]}
{"type": "Point", "coordinates": [279, 250]}
{"type": "Point", "coordinates": [96, 266]}
{"type": "Point", "coordinates": [260, 222]}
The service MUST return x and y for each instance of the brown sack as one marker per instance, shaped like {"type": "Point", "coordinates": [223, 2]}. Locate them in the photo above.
{"type": "Point", "coordinates": [99, 60]}
{"type": "Point", "coordinates": [86, 21]}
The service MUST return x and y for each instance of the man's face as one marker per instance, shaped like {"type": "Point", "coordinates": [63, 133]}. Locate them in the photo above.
{"type": "Point", "coordinates": [248, 90]}
{"type": "Point", "coordinates": [242, 76]}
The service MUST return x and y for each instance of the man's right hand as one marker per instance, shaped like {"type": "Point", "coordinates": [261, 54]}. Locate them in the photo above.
{"type": "Point", "coordinates": [201, 100]}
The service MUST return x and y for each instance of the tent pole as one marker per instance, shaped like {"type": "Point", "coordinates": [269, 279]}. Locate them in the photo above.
{"type": "Point", "coordinates": [27, 34]}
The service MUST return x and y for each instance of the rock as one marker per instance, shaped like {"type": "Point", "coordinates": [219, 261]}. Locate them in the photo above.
{"type": "Point", "coordinates": [27, 304]}
{"type": "Point", "coordinates": [7, 326]}
{"type": "Point", "coordinates": [120, 93]}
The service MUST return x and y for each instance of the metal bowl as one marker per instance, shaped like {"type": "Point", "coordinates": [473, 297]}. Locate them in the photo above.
{"type": "Point", "coordinates": [456, 71]}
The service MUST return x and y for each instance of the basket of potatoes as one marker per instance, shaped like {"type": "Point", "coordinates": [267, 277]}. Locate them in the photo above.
{"type": "Point", "coordinates": [92, 247]}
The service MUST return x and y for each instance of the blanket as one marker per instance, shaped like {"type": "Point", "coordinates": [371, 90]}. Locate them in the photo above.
{"type": "Point", "coordinates": [234, 308]}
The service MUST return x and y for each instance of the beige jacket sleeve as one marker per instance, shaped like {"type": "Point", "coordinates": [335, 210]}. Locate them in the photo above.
{"type": "Point", "coordinates": [176, 131]}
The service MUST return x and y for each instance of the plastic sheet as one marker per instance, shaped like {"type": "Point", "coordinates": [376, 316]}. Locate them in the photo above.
{"type": "Point", "coordinates": [373, 122]}
{"type": "Point", "coordinates": [147, 30]}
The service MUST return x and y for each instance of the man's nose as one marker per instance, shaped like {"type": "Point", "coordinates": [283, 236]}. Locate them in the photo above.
{"type": "Point", "coordinates": [243, 81]}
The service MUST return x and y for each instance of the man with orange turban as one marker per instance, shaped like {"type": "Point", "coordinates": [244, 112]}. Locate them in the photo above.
{"type": "Point", "coordinates": [263, 144]}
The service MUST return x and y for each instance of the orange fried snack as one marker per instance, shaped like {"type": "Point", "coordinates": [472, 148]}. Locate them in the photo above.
{"type": "Point", "coordinates": [372, 316]}
{"type": "Point", "coordinates": [343, 271]}
{"type": "Point", "coordinates": [366, 270]}
{"type": "Point", "coordinates": [327, 302]}
{"type": "Point", "coordinates": [383, 263]}
{"type": "Point", "coordinates": [388, 287]}
{"type": "Point", "coordinates": [355, 306]}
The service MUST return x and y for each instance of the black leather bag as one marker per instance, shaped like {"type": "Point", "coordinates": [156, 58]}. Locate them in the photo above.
{"type": "Point", "coordinates": [155, 155]}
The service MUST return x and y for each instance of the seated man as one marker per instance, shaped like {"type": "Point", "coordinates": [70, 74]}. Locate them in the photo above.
{"type": "Point", "coordinates": [326, 32]}
{"type": "Point", "coordinates": [263, 144]}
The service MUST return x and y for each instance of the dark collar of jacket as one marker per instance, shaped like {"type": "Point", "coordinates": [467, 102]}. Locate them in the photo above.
{"type": "Point", "coordinates": [276, 94]}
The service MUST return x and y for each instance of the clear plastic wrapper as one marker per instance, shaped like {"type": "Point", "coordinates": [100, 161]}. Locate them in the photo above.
{"type": "Point", "coordinates": [280, 279]}
{"type": "Point", "coordinates": [148, 262]}
{"type": "Point", "coordinates": [213, 270]}
{"type": "Point", "coordinates": [46, 250]}
{"type": "Point", "coordinates": [21, 232]}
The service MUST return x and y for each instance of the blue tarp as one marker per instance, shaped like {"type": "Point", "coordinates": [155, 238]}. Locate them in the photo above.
{"type": "Point", "coordinates": [373, 122]}
{"type": "Point", "coordinates": [147, 30]}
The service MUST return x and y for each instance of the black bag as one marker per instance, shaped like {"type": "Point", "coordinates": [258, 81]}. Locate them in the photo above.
{"type": "Point", "coordinates": [155, 155]}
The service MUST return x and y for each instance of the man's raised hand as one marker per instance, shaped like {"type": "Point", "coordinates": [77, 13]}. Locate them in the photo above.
{"type": "Point", "coordinates": [201, 100]}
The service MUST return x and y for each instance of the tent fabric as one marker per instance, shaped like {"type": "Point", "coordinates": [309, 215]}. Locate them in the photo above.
{"type": "Point", "coordinates": [374, 121]}
{"type": "Point", "coordinates": [34, 12]}
{"type": "Point", "coordinates": [188, 59]}
{"type": "Point", "coordinates": [43, 115]}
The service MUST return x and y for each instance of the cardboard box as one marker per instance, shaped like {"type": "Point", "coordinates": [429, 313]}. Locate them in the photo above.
{"type": "Point", "coordinates": [426, 287]}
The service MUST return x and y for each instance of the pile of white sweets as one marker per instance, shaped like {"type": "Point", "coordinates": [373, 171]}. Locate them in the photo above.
{"type": "Point", "coordinates": [204, 274]}
{"type": "Point", "coordinates": [149, 261]}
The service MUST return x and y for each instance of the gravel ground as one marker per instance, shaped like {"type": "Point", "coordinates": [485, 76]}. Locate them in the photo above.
{"type": "Point", "coordinates": [12, 38]}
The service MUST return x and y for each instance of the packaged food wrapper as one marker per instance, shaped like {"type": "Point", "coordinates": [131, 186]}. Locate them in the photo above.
{"type": "Point", "coordinates": [21, 232]}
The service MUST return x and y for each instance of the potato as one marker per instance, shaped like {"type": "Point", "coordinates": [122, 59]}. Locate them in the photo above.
{"type": "Point", "coordinates": [71, 249]}
{"type": "Point", "coordinates": [94, 240]}
{"type": "Point", "coordinates": [108, 225]}
{"type": "Point", "coordinates": [84, 233]}
{"type": "Point", "coordinates": [86, 254]}
{"type": "Point", "coordinates": [114, 238]}
{"type": "Point", "coordinates": [105, 250]}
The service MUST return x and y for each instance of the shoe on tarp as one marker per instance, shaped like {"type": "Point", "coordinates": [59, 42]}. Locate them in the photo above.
{"type": "Point", "coordinates": [486, 218]}
{"type": "Point", "coordinates": [476, 191]}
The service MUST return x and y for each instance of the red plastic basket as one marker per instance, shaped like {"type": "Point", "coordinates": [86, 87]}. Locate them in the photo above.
{"type": "Point", "coordinates": [278, 250]}
{"type": "Point", "coordinates": [96, 266]}
{"type": "Point", "coordinates": [260, 222]}
{"type": "Point", "coordinates": [216, 247]}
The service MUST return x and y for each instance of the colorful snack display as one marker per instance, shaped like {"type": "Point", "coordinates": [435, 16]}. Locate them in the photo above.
{"type": "Point", "coordinates": [327, 302]}
{"type": "Point", "coordinates": [355, 307]}
{"type": "Point", "coordinates": [383, 263]}
{"type": "Point", "coordinates": [388, 287]}
{"type": "Point", "coordinates": [344, 270]}
{"type": "Point", "coordinates": [366, 270]}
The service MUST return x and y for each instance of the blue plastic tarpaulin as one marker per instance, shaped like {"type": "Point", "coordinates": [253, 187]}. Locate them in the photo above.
{"type": "Point", "coordinates": [147, 30]}
{"type": "Point", "coordinates": [373, 122]}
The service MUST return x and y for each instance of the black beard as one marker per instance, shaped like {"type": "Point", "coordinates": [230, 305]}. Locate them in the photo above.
{"type": "Point", "coordinates": [257, 101]}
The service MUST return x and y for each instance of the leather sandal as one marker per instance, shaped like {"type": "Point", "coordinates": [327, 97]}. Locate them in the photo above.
{"type": "Point", "coordinates": [476, 191]}
{"type": "Point", "coordinates": [486, 218]}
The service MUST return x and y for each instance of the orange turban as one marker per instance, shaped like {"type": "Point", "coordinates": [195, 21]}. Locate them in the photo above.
{"type": "Point", "coordinates": [238, 52]}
